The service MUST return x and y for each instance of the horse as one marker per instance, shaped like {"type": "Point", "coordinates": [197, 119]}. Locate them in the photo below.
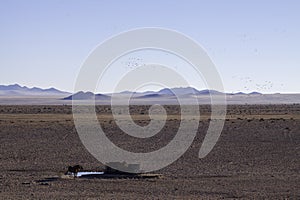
{"type": "Point", "coordinates": [74, 169]}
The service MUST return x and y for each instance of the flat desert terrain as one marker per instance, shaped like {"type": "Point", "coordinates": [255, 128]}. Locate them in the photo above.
{"type": "Point", "coordinates": [256, 157]}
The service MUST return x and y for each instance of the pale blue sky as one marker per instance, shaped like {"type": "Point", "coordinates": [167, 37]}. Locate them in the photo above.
{"type": "Point", "coordinates": [254, 44]}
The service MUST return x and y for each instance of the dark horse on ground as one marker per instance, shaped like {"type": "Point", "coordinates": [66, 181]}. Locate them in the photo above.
{"type": "Point", "coordinates": [74, 169]}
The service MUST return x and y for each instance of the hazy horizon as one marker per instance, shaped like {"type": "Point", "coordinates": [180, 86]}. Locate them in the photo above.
{"type": "Point", "coordinates": [139, 91]}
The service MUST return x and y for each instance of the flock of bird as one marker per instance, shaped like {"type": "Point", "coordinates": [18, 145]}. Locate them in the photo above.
{"type": "Point", "coordinates": [133, 63]}
{"type": "Point", "coordinates": [249, 84]}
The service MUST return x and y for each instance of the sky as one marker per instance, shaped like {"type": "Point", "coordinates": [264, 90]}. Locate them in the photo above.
{"type": "Point", "coordinates": [254, 44]}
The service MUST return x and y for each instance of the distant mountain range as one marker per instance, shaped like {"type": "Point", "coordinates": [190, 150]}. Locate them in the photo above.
{"type": "Point", "coordinates": [163, 93]}
{"type": "Point", "coordinates": [19, 95]}
{"type": "Point", "coordinates": [17, 90]}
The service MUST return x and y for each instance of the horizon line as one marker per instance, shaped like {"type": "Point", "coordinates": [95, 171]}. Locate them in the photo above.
{"type": "Point", "coordinates": [155, 90]}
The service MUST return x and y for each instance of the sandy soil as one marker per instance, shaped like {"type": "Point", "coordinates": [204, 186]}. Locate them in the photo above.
{"type": "Point", "coordinates": [257, 156]}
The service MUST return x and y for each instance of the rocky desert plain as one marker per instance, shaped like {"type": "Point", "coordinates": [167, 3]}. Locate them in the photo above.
{"type": "Point", "coordinates": [256, 157]}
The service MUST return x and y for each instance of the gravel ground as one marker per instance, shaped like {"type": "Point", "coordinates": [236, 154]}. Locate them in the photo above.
{"type": "Point", "coordinates": [257, 156]}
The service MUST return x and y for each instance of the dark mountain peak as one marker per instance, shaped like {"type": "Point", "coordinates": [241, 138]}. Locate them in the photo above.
{"type": "Point", "coordinates": [165, 91]}
{"type": "Point", "coordinates": [255, 93]}
{"type": "Point", "coordinates": [52, 89]}
{"type": "Point", "coordinates": [86, 96]}
{"type": "Point", "coordinates": [80, 96]}
{"type": "Point", "coordinates": [209, 92]}
{"type": "Point", "coordinates": [179, 91]}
